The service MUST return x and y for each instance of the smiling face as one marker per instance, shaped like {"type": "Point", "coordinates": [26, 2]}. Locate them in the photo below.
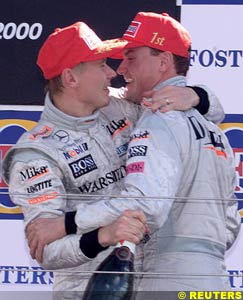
{"type": "Point", "coordinates": [84, 88]}
{"type": "Point", "coordinates": [141, 71]}
{"type": "Point", "coordinates": [94, 78]}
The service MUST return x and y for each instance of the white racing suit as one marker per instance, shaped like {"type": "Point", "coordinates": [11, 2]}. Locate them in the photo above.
{"type": "Point", "coordinates": [187, 162]}
{"type": "Point", "coordinates": [63, 158]}
{"type": "Point", "coordinates": [62, 161]}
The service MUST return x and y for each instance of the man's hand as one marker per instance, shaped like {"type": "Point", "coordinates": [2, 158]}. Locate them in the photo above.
{"type": "Point", "coordinates": [171, 98]}
{"type": "Point", "coordinates": [43, 231]}
{"type": "Point", "coordinates": [130, 226]}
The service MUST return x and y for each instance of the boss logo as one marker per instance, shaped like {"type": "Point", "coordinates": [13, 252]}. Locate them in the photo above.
{"type": "Point", "coordinates": [82, 166]}
{"type": "Point", "coordinates": [140, 150]}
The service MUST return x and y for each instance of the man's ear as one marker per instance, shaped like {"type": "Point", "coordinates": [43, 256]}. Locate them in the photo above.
{"type": "Point", "coordinates": [166, 59]}
{"type": "Point", "coordinates": [69, 78]}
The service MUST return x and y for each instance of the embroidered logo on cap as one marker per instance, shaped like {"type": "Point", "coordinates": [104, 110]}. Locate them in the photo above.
{"type": "Point", "coordinates": [133, 28]}
{"type": "Point", "coordinates": [91, 40]}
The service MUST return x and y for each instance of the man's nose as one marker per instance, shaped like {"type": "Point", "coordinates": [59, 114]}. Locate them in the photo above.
{"type": "Point", "coordinates": [111, 73]}
{"type": "Point", "coordinates": [121, 70]}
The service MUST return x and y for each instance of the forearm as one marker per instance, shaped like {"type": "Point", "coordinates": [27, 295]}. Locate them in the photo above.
{"type": "Point", "coordinates": [146, 189]}
{"type": "Point", "coordinates": [63, 253]}
{"type": "Point", "coordinates": [72, 251]}
{"type": "Point", "coordinates": [108, 210]}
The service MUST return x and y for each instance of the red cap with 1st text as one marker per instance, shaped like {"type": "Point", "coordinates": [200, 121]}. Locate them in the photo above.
{"type": "Point", "coordinates": [159, 31]}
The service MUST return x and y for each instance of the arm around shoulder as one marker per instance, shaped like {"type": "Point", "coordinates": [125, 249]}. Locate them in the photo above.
{"type": "Point", "coordinates": [215, 111]}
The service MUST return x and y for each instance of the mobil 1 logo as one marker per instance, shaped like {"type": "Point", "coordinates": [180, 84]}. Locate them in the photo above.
{"type": "Point", "coordinates": [82, 166]}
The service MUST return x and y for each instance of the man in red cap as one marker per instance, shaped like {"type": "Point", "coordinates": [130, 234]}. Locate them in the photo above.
{"type": "Point", "coordinates": [71, 152]}
{"type": "Point", "coordinates": [188, 161]}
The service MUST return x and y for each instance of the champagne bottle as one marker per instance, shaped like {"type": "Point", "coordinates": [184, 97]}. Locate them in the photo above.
{"type": "Point", "coordinates": [113, 286]}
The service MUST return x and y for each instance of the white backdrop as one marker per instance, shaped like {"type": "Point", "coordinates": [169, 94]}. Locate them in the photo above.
{"type": "Point", "coordinates": [217, 61]}
{"type": "Point", "coordinates": [217, 35]}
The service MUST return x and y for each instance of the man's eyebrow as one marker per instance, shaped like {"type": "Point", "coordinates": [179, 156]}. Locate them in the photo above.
{"type": "Point", "coordinates": [129, 51]}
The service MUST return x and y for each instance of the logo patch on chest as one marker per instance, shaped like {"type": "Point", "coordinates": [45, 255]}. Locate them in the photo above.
{"type": "Point", "coordinates": [82, 166]}
{"type": "Point", "coordinates": [139, 150]}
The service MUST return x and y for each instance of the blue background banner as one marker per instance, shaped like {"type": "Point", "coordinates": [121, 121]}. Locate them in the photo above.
{"type": "Point", "coordinates": [12, 125]}
{"type": "Point", "coordinates": [233, 128]}
{"type": "Point", "coordinates": [215, 2]}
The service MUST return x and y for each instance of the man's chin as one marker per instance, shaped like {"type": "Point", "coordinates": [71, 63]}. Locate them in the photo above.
{"type": "Point", "coordinates": [132, 97]}
{"type": "Point", "coordinates": [107, 102]}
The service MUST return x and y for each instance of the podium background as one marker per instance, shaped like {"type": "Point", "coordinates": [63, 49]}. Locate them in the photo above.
{"type": "Point", "coordinates": [216, 28]}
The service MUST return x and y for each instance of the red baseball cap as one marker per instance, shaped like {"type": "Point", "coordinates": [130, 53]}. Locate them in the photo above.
{"type": "Point", "coordinates": [67, 47]}
{"type": "Point", "coordinates": [159, 31]}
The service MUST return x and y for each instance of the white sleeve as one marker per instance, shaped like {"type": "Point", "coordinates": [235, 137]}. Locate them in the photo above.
{"type": "Point", "coordinates": [153, 174]}
{"type": "Point", "coordinates": [64, 253]}
{"type": "Point", "coordinates": [216, 111]}
{"type": "Point", "coordinates": [35, 184]}
{"type": "Point", "coordinates": [233, 222]}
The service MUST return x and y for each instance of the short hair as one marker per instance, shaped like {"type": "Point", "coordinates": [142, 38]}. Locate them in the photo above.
{"type": "Point", "coordinates": [55, 86]}
{"type": "Point", "coordinates": [181, 63]}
